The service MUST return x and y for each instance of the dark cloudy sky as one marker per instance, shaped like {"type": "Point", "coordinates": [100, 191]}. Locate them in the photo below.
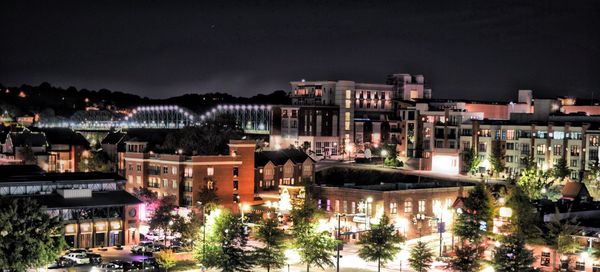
{"type": "Point", "coordinates": [477, 49]}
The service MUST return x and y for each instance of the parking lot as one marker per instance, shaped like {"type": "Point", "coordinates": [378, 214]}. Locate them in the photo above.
{"type": "Point", "coordinates": [111, 254]}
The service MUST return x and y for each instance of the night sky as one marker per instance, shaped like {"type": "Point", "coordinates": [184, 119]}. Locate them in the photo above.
{"type": "Point", "coordinates": [474, 49]}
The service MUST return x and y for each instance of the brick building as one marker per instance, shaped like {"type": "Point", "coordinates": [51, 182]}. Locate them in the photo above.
{"type": "Point", "coordinates": [363, 205]}
{"type": "Point", "coordinates": [281, 176]}
{"type": "Point", "coordinates": [231, 175]}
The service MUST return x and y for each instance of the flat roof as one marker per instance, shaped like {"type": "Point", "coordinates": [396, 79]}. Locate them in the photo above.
{"type": "Point", "coordinates": [98, 199]}
{"type": "Point", "coordinates": [32, 173]}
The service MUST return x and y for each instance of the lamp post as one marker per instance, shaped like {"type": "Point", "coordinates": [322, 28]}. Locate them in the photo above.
{"type": "Point", "coordinates": [203, 227]}
{"type": "Point", "coordinates": [384, 154]}
{"type": "Point", "coordinates": [368, 221]}
{"type": "Point", "coordinates": [337, 236]}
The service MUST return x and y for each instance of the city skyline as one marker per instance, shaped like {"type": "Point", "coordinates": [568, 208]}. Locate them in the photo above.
{"type": "Point", "coordinates": [488, 50]}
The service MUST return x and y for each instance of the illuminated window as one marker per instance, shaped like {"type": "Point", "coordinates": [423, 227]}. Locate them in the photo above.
{"type": "Point", "coordinates": [288, 171]}
{"type": "Point", "coordinates": [347, 120]}
{"type": "Point", "coordinates": [414, 94]}
{"type": "Point", "coordinates": [165, 183]}
{"type": "Point", "coordinates": [174, 184]}
{"type": "Point", "coordinates": [575, 150]}
{"type": "Point", "coordinates": [541, 149]}
{"type": "Point", "coordinates": [210, 171]}
{"type": "Point", "coordinates": [593, 140]}
{"type": "Point", "coordinates": [307, 170]}
{"type": "Point", "coordinates": [510, 134]}
{"type": "Point", "coordinates": [348, 104]}
{"type": "Point", "coordinates": [348, 94]}
{"type": "Point", "coordinates": [448, 203]}
{"type": "Point", "coordinates": [557, 150]}
{"type": "Point", "coordinates": [353, 207]}
{"type": "Point", "coordinates": [130, 179]}
{"type": "Point", "coordinates": [437, 206]}
{"type": "Point", "coordinates": [138, 180]}
{"type": "Point", "coordinates": [408, 206]}
{"type": "Point", "coordinates": [559, 135]}
{"type": "Point", "coordinates": [421, 206]}
{"type": "Point", "coordinates": [393, 207]}
{"type": "Point", "coordinates": [345, 206]}
{"type": "Point", "coordinates": [187, 172]}
{"type": "Point", "coordinates": [337, 206]}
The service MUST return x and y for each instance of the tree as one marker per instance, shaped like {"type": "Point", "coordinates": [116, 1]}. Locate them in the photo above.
{"type": "Point", "coordinates": [214, 135]}
{"type": "Point", "coordinates": [315, 247]}
{"type": "Point", "coordinates": [497, 158]}
{"type": "Point", "coordinates": [420, 257]}
{"type": "Point", "coordinates": [94, 161]}
{"type": "Point", "coordinates": [271, 255]}
{"type": "Point", "coordinates": [188, 227]}
{"type": "Point", "coordinates": [225, 244]}
{"type": "Point", "coordinates": [147, 196]}
{"type": "Point", "coordinates": [164, 216]}
{"type": "Point", "coordinates": [381, 244]}
{"type": "Point", "coordinates": [208, 194]}
{"type": "Point", "coordinates": [532, 181]}
{"type": "Point", "coordinates": [560, 236]}
{"type": "Point", "coordinates": [561, 169]}
{"type": "Point", "coordinates": [524, 219]}
{"type": "Point", "coordinates": [512, 255]}
{"type": "Point", "coordinates": [29, 236]}
{"type": "Point", "coordinates": [476, 216]}
{"type": "Point", "coordinates": [166, 259]}
{"type": "Point", "coordinates": [471, 160]}
{"type": "Point", "coordinates": [467, 258]}
{"type": "Point", "coordinates": [592, 179]}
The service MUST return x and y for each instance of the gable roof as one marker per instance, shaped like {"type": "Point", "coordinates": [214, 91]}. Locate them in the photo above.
{"type": "Point", "coordinates": [27, 138]}
{"type": "Point", "coordinates": [64, 136]}
{"type": "Point", "coordinates": [113, 137]}
{"type": "Point", "coordinates": [280, 157]}
{"type": "Point", "coordinates": [572, 190]}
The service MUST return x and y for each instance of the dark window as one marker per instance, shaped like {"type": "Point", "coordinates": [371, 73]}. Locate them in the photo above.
{"type": "Point", "coordinates": [235, 184]}
{"type": "Point", "coordinates": [235, 171]}
{"type": "Point", "coordinates": [580, 266]}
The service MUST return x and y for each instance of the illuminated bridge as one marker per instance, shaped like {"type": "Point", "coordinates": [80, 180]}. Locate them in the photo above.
{"type": "Point", "coordinates": [254, 119]}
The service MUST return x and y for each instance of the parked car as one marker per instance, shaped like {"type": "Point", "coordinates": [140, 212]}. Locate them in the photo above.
{"type": "Point", "coordinates": [78, 258]}
{"type": "Point", "coordinates": [108, 267]}
{"type": "Point", "coordinates": [146, 264]}
{"type": "Point", "coordinates": [95, 258]}
{"type": "Point", "coordinates": [141, 247]}
{"type": "Point", "coordinates": [62, 262]}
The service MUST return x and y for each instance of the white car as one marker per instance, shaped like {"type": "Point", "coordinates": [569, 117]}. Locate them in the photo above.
{"type": "Point", "coordinates": [78, 258]}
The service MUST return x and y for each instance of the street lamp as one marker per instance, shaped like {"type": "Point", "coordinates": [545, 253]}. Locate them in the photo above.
{"type": "Point", "coordinates": [203, 227]}
{"type": "Point", "coordinates": [368, 221]}
{"type": "Point", "coordinates": [384, 154]}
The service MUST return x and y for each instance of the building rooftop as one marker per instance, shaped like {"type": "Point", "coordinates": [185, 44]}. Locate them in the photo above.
{"type": "Point", "coordinates": [33, 173]}
{"type": "Point", "coordinates": [378, 180]}
{"type": "Point", "coordinates": [98, 199]}
{"type": "Point", "coordinates": [280, 157]}
{"type": "Point", "coordinates": [64, 136]}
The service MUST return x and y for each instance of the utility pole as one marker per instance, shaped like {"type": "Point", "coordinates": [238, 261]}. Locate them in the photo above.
{"type": "Point", "coordinates": [339, 216]}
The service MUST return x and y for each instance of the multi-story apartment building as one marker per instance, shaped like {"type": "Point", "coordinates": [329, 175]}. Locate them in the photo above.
{"type": "Point", "coordinates": [281, 176]}
{"type": "Point", "coordinates": [230, 176]}
{"type": "Point", "coordinates": [337, 117]}
{"type": "Point", "coordinates": [545, 142]}
{"type": "Point", "coordinates": [362, 205]}
{"type": "Point", "coordinates": [94, 207]}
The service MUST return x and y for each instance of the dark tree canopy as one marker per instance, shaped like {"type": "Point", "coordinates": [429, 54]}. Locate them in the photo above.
{"type": "Point", "coordinates": [29, 237]}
